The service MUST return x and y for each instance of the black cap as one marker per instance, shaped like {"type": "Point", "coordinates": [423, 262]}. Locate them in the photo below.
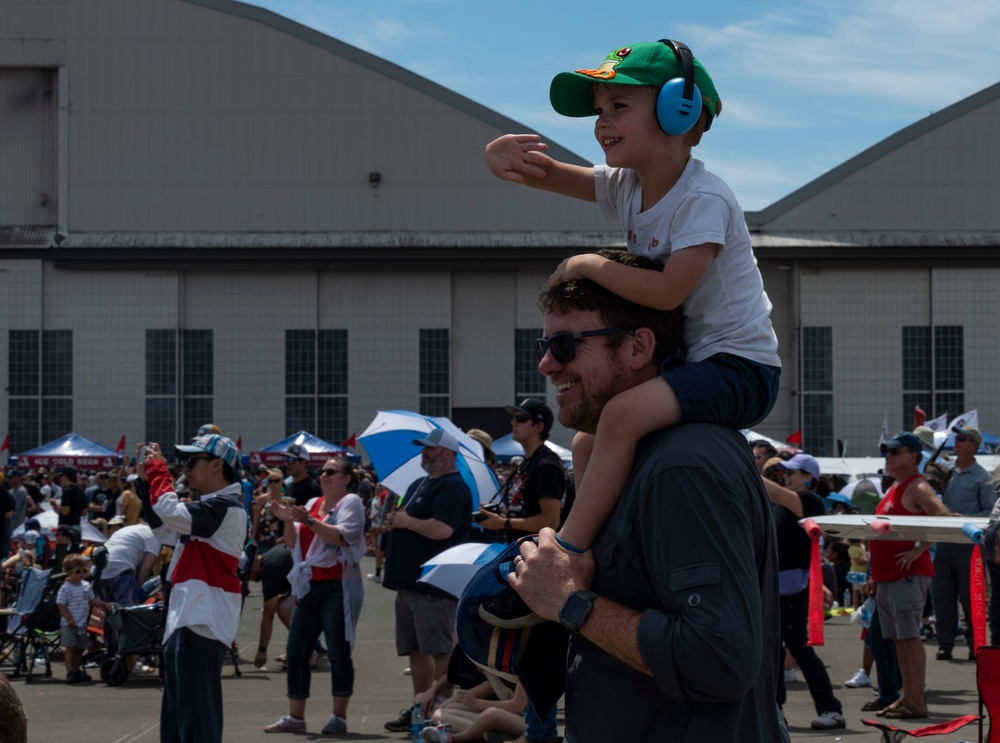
{"type": "Point", "coordinates": [69, 471]}
{"type": "Point", "coordinates": [296, 451]}
{"type": "Point", "coordinates": [535, 409]}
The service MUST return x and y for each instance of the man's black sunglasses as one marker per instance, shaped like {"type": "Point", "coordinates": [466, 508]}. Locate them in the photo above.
{"type": "Point", "coordinates": [563, 345]}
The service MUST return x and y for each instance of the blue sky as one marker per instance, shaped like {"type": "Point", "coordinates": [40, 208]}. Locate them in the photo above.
{"type": "Point", "coordinates": [805, 85]}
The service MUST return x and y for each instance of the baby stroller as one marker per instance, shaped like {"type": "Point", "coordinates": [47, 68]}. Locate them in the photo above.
{"type": "Point", "coordinates": [130, 630]}
{"type": "Point", "coordinates": [33, 625]}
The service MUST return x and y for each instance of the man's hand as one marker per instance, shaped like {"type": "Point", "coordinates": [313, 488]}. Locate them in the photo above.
{"type": "Point", "coordinates": [399, 520]}
{"type": "Point", "coordinates": [517, 157]}
{"type": "Point", "coordinates": [546, 574]}
{"type": "Point", "coordinates": [146, 453]}
{"type": "Point", "coordinates": [491, 520]}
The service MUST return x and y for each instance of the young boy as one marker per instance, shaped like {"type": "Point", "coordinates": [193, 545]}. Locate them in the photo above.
{"type": "Point", "coordinates": [672, 210]}
{"type": "Point", "coordinates": [75, 599]}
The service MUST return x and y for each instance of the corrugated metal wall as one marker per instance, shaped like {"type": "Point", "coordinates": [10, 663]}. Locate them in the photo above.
{"type": "Point", "coordinates": [28, 105]}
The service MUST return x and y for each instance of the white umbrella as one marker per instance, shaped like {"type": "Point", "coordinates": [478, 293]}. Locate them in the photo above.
{"type": "Point", "coordinates": [389, 443]}
{"type": "Point", "coordinates": [452, 569]}
{"type": "Point", "coordinates": [48, 521]}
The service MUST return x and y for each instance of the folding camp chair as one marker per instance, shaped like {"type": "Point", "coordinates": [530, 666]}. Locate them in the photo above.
{"type": "Point", "coordinates": [29, 624]}
{"type": "Point", "coordinates": [988, 683]}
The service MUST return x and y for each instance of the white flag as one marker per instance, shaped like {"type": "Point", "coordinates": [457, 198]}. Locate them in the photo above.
{"type": "Point", "coordinates": [938, 424]}
{"type": "Point", "coordinates": [883, 435]}
{"type": "Point", "coordinates": [970, 418]}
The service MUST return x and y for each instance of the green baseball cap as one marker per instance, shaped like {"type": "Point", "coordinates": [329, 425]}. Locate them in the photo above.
{"type": "Point", "coordinates": [647, 63]}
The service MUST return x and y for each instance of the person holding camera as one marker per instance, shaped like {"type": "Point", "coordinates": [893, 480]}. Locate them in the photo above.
{"type": "Point", "coordinates": [532, 495]}
{"type": "Point", "coordinates": [203, 612]}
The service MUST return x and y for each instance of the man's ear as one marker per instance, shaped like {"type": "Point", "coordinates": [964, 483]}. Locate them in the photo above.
{"type": "Point", "coordinates": [642, 348]}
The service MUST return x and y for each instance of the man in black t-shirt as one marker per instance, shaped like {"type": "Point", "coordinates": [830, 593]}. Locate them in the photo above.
{"type": "Point", "coordinates": [304, 487]}
{"type": "Point", "coordinates": [533, 492]}
{"type": "Point", "coordinates": [72, 502]}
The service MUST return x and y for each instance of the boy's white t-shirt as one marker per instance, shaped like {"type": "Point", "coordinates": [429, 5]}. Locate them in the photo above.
{"type": "Point", "coordinates": [728, 311]}
{"type": "Point", "coordinates": [76, 598]}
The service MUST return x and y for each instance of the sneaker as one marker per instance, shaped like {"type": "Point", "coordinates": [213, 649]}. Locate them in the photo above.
{"type": "Point", "coordinates": [507, 610]}
{"type": "Point", "coordinates": [829, 721]}
{"type": "Point", "coordinates": [286, 725]}
{"type": "Point", "coordinates": [335, 725]}
{"type": "Point", "coordinates": [83, 677]}
{"type": "Point", "coordinates": [858, 680]}
{"type": "Point", "coordinates": [944, 654]}
{"type": "Point", "coordinates": [790, 677]}
{"type": "Point", "coordinates": [73, 677]}
{"type": "Point", "coordinates": [374, 577]}
{"type": "Point", "coordinates": [402, 725]}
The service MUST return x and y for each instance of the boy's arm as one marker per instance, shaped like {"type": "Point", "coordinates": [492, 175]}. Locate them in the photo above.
{"type": "Point", "coordinates": [520, 158]}
{"type": "Point", "coordinates": [64, 612]}
{"type": "Point", "coordinates": [663, 290]}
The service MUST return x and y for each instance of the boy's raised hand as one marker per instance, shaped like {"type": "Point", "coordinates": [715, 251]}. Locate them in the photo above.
{"type": "Point", "coordinates": [518, 157]}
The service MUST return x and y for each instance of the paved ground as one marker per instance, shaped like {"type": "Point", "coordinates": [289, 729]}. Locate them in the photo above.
{"type": "Point", "coordinates": [95, 712]}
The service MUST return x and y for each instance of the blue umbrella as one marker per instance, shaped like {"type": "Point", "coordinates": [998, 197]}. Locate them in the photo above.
{"type": "Point", "coordinates": [452, 569]}
{"type": "Point", "coordinates": [389, 443]}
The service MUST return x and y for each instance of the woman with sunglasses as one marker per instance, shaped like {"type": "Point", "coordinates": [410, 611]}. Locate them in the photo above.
{"type": "Point", "coordinates": [267, 529]}
{"type": "Point", "coordinates": [327, 540]}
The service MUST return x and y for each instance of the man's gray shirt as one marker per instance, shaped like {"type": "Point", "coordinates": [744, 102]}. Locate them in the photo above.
{"type": "Point", "coordinates": [970, 492]}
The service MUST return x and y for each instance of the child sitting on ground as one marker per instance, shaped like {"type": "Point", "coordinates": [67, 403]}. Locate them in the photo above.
{"type": "Point", "coordinates": [653, 102]}
{"type": "Point", "coordinates": [75, 599]}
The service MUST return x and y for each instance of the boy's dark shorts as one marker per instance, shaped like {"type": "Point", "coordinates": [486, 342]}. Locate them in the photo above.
{"type": "Point", "coordinates": [724, 389]}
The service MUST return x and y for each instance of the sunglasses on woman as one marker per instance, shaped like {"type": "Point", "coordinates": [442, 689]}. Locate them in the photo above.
{"type": "Point", "coordinates": [563, 345]}
{"type": "Point", "coordinates": [331, 472]}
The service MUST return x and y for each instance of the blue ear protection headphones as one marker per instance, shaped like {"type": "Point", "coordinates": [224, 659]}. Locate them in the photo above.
{"type": "Point", "coordinates": [678, 105]}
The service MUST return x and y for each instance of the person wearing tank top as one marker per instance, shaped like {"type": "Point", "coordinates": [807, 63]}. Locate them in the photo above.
{"type": "Point", "coordinates": [901, 572]}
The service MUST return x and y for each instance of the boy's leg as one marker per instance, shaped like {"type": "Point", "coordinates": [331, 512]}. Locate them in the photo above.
{"type": "Point", "coordinates": [625, 419]}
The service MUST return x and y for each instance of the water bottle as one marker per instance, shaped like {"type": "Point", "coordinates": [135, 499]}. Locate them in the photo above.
{"type": "Point", "coordinates": [847, 598]}
{"type": "Point", "coordinates": [416, 724]}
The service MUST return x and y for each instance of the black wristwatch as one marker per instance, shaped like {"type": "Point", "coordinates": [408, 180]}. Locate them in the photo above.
{"type": "Point", "coordinates": [310, 521]}
{"type": "Point", "coordinates": [576, 610]}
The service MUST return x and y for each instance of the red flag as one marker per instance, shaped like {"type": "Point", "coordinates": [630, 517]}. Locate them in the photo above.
{"type": "Point", "coordinates": [919, 416]}
{"type": "Point", "coordinates": [351, 442]}
{"type": "Point", "coordinates": [6, 443]}
{"type": "Point", "coordinates": [239, 443]}
{"type": "Point", "coordinates": [121, 446]}
{"type": "Point", "coordinates": [795, 438]}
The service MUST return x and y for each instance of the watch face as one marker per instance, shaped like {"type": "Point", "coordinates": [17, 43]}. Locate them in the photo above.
{"type": "Point", "coordinates": [576, 609]}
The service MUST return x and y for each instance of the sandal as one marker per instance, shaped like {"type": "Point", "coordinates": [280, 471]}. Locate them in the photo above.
{"type": "Point", "coordinates": [902, 712]}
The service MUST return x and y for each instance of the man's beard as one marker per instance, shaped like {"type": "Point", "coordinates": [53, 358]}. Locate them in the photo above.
{"type": "Point", "coordinates": [583, 416]}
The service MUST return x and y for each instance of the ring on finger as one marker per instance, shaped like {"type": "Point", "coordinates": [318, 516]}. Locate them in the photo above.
{"type": "Point", "coordinates": [517, 560]}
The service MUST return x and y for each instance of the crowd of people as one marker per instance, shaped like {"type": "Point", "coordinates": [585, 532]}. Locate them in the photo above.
{"type": "Point", "coordinates": [906, 593]}
{"type": "Point", "coordinates": [679, 573]}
